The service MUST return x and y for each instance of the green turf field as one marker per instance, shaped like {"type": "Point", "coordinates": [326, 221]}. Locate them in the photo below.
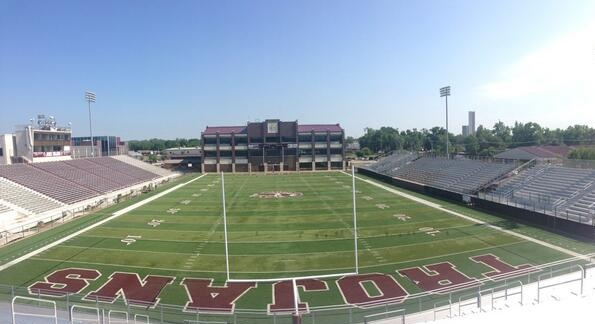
{"type": "Point", "coordinates": [181, 234]}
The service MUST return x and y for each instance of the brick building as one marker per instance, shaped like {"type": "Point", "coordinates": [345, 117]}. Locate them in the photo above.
{"type": "Point", "coordinates": [273, 145]}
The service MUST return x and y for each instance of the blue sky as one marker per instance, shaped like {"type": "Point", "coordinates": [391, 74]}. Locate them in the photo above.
{"type": "Point", "coordinates": [169, 68]}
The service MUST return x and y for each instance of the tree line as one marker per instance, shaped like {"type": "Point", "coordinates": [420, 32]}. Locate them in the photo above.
{"type": "Point", "coordinates": [157, 144]}
{"type": "Point", "coordinates": [485, 141]}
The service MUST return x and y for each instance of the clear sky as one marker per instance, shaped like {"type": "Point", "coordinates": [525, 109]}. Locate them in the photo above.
{"type": "Point", "coordinates": [169, 68]}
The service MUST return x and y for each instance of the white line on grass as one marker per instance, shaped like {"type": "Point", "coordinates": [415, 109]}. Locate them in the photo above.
{"type": "Point", "coordinates": [471, 219]}
{"type": "Point", "coordinates": [114, 215]}
{"type": "Point", "coordinates": [286, 271]}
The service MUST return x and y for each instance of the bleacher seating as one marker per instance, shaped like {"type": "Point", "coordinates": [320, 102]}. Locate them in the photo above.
{"type": "Point", "coordinates": [458, 175]}
{"type": "Point", "coordinates": [79, 176]}
{"type": "Point", "coordinates": [4, 209]}
{"type": "Point", "coordinates": [122, 167]}
{"type": "Point", "coordinates": [143, 165]}
{"type": "Point", "coordinates": [392, 162]}
{"type": "Point", "coordinates": [565, 192]}
{"type": "Point", "coordinates": [46, 183]}
{"type": "Point", "coordinates": [76, 180]}
{"type": "Point", "coordinates": [25, 198]}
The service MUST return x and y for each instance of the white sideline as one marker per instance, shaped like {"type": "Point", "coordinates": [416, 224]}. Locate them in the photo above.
{"type": "Point", "coordinates": [114, 215]}
{"type": "Point", "coordinates": [471, 219]}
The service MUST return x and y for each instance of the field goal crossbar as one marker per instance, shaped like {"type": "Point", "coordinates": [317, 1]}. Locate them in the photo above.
{"type": "Point", "coordinates": [292, 279]}
{"type": "Point", "coordinates": [38, 300]}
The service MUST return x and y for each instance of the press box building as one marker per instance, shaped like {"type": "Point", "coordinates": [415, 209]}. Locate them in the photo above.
{"type": "Point", "coordinates": [273, 145]}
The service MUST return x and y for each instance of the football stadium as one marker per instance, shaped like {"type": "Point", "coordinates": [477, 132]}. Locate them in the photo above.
{"type": "Point", "coordinates": [297, 162]}
{"type": "Point", "coordinates": [408, 238]}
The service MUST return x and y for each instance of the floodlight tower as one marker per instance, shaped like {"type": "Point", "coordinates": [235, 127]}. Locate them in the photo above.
{"type": "Point", "coordinates": [90, 98]}
{"type": "Point", "coordinates": [445, 92]}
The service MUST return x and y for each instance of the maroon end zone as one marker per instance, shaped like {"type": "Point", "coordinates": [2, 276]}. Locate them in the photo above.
{"type": "Point", "coordinates": [132, 289]}
{"type": "Point", "coordinates": [203, 296]}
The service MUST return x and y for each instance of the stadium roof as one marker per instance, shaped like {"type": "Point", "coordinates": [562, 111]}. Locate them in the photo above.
{"type": "Point", "coordinates": [224, 130]}
{"type": "Point", "coordinates": [535, 152]}
{"type": "Point", "coordinates": [213, 130]}
{"type": "Point", "coordinates": [319, 128]}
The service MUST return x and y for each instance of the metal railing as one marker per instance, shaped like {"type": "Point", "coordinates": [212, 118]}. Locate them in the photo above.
{"type": "Point", "coordinates": [567, 277]}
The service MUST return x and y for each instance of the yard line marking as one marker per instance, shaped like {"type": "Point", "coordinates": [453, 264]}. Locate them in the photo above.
{"type": "Point", "coordinates": [101, 222]}
{"type": "Point", "coordinates": [314, 270]}
{"type": "Point", "coordinates": [471, 219]}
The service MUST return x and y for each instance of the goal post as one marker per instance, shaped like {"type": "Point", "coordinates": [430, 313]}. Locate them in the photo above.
{"type": "Point", "coordinates": [293, 279]}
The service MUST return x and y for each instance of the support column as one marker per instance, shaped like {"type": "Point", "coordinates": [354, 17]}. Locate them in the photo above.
{"type": "Point", "coordinates": [313, 166]}
{"type": "Point", "coordinates": [328, 165]}
{"type": "Point", "coordinates": [218, 167]}
{"type": "Point", "coordinates": [266, 167]}
{"type": "Point", "coordinates": [297, 165]}
{"type": "Point", "coordinates": [233, 168]}
{"type": "Point", "coordinates": [343, 165]}
{"type": "Point", "coordinates": [202, 167]}
{"type": "Point", "coordinates": [249, 168]}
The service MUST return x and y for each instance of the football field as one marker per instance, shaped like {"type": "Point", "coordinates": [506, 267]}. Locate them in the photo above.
{"type": "Point", "coordinates": [282, 226]}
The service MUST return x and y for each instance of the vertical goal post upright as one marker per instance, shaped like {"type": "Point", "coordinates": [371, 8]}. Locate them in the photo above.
{"type": "Point", "coordinates": [294, 279]}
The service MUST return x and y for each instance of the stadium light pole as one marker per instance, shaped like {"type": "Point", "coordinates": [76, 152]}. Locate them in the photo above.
{"type": "Point", "coordinates": [445, 92]}
{"type": "Point", "coordinates": [90, 98]}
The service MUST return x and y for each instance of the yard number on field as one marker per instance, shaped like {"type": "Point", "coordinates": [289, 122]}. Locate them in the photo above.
{"type": "Point", "coordinates": [155, 222]}
{"type": "Point", "coordinates": [130, 239]}
{"type": "Point", "coordinates": [429, 230]}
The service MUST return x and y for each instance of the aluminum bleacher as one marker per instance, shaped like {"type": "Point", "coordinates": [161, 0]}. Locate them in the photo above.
{"type": "Point", "coordinates": [46, 183]}
{"type": "Point", "coordinates": [74, 181]}
{"type": "Point", "coordinates": [392, 162]}
{"type": "Point", "coordinates": [457, 175]}
{"type": "Point", "coordinates": [25, 198]}
{"type": "Point", "coordinates": [143, 165]}
{"type": "Point", "coordinates": [80, 176]}
{"type": "Point", "coordinates": [564, 192]}
{"type": "Point", "coordinates": [4, 209]}
{"type": "Point", "coordinates": [122, 167]}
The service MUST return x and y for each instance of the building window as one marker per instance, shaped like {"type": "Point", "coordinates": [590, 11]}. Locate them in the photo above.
{"type": "Point", "coordinates": [1, 152]}
{"type": "Point", "coordinates": [305, 138]}
{"type": "Point", "coordinates": [210, 140]}
{"type": "Point", "coordinates": [336, 138]}
{"type": "Point", "coordinates": [320, 138]}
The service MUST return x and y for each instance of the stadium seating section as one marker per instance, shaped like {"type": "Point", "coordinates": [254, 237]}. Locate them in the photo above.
{"type": "Point", "coordinates": [25, 198]}
{"type": "Point", "coordinates": [68, 182]}
{"type": "Point", "coordinates": [553, 189]}
{"type": "Point", "coordinates": [4, 209]}
{"type": "Point", "coordinates": [567, 192]}
{"type": "Point", "coordinates": [457, 175]}
{"type": "Point", "coordinates": [143, 165]}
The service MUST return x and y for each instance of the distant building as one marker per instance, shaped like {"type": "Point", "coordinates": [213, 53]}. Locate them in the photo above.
{"type": "Point", "coordinates": [182, 158]}
{"type": "Point", "coordinates": [465, 130]}
{"type": "Point", "coordinates": [273, 145]}
{"type": "Point", "coordinates": [43, 142]}
{"type": "Point", "coordinates": [104, 146]}
{"type": "Point", "coordinates": [472, 122]}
